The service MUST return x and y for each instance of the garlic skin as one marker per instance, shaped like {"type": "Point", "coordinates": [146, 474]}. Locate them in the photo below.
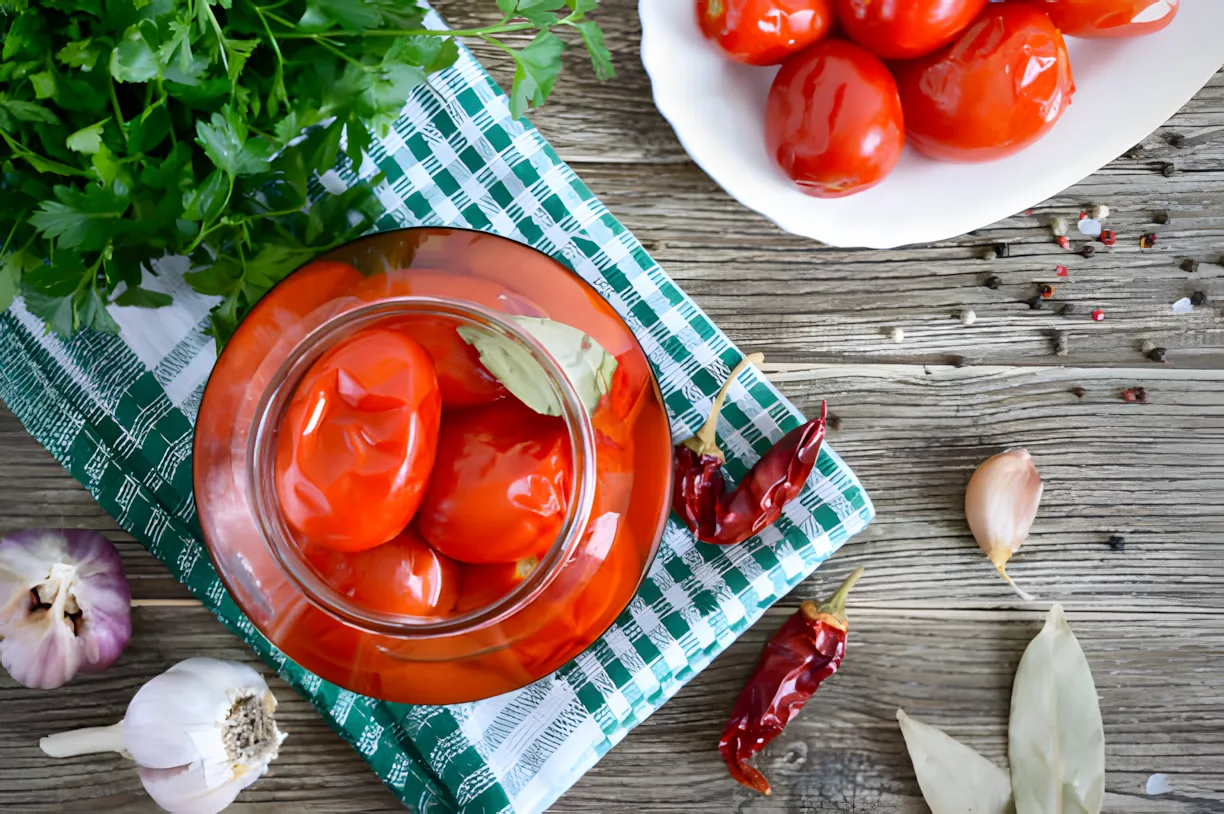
{"type": "Point", "coordinates": [201, 732]}
{"type": "Point", "coordinates": [1000, 504]}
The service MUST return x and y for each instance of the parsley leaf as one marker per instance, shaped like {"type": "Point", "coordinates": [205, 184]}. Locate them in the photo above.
{"type": "Point", "coordinates": [535, 70]}
{"type": "Point", "coordinates": [601, 57]}
{"type": "Point", "coordinates": [87, 139]}
{"type": "Point", "coordinates": [224, 140]}
{"type": "Point", "coordinates": [79, 220]}
{"type": "Point", "coordinates": [143, 298]}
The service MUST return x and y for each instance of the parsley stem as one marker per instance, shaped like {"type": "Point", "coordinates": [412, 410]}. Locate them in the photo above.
{"type": "Point", "coordinates": [110, 84]}
{"type": "Point", "coordinates": [34, 160]}
{"type": "Point", "coordinates": [343, 55]}
{"type": "Point", "coordinates": [413, 32]}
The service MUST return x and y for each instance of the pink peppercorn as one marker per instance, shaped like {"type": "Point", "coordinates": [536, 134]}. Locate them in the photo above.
{"type": "Point", "coordinates": [1061, 271]}
{"type": "Point", "coordinates": [1098, 315]}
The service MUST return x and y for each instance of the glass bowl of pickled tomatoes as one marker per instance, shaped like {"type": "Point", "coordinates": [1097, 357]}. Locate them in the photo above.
{"type": "Point", "coordinates": [432, 466]}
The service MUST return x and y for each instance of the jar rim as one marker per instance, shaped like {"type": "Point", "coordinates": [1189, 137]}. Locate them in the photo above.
{"type": "Point", "coordinates": [279, 539]}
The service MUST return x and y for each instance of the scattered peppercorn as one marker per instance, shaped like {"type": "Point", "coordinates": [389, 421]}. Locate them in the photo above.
{"type": "Point", "coordinates": [1098, 315]}
{"type": "Point", "coordinates": [1147, 241]}
{"type": "Point", "coordinates": [1198, 298]}
{"type": "Point", "coordinates": [1036, 303]}
{"type": "Point", "coordinates": [1135, 394]}
{"type": "Point", "coordinates": [1060, 343]}
{"type": "Point", "coordinates": [1189, 265]}
{"type": "Point", "coordinates": [1078, 392]}
{"type": "Point", "coordinates": [1061, 271]}
{"type": "Point", "coordinates": [1117, 542]}
{"type": "Point", "coordinates": [1177, 140]}
{"type": "Point", "coordinates": [1157, 354]}
{"type": "Point", "coordinates": [1002, 250]}
{"type": "Point", "coordinates": [1161, 217]}
{"type": "Point", "coordinates": [992, 282]}
{"type": "Point", "coordinates": [1089, 250]}
{"type": "Point", "coordinates": [1045, 290]}
{"type": "Point", "coordinates": [1169, 170]}
{"type": "Point", "coordinates": [834, 421]}
{"type": "Point", "coordinates": [1064, 242]}
{"type": "Point", "coordinates": [1109, 237]}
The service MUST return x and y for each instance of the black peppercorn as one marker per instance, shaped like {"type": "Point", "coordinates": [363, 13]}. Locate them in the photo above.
{"type": "Point", "coordinates": [1189, 265]}
{"type": "Point", "coordinates": [1078, 392]}
{"type": "Point", "coordinates": [1036, 303]}
{"type": "Point", "coordinates": [1147, 241]}
{"type": "Point", "coordinates": [992, 282]}
{"type": "Point", "coordinates": [1157, 354]}
{"type": "Point", "coordinates": [1089, 250]}
{"type": "Point", "coordinates": [1169, 170]}
{"type": "Point", "coordinates": [1161, 217]}
{"type": "Point", "coordinates": [1198, 298]}
{"type": "Point", "coordinates": [834, 421]}
{"type": "Point", "coordinates": [1002, 250]}
{"type": "Point", "coordinates": [1117, 542]}
{"type": "Point", "coordinates": [1177, 140]}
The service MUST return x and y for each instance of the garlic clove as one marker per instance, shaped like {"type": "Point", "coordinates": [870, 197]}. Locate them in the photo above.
{"type": "Point", "coordinates": [1000, 504]}
{"type": "Point", "coordinates": [185, 789]}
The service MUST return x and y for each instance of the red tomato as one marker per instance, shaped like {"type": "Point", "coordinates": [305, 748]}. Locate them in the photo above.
{"type": "Point", "coordinates": [904, 29]}
{"type": "Point", "coordinates": [357, 442]}
{"type": "Point", "coordinates": [1000, 87]}
{"type": "Point", "coordinates": [1109, 18]}
{"type": "Point", "coordinates": [403, 576]}
{"type": "Point", "coordinates": [833, 120]}
{"type": "Point", "coordinates": [463, 380]}
{"type": "Point", "coordinates": [764, 32]}
{"type": "Point", "coordinates": [501, 484]}
{"type": "Point", "coordinates": [481, 585]}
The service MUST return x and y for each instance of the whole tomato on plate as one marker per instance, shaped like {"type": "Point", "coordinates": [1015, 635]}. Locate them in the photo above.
{"type": "Point", "coordinates": [1109, 18]}
{"type": "Point", "coordinates": [764, 32]}
{"type": "Point", "coordinates": [1000, 87]}
{"type": "Point", "coordinates": [500, 488]}
{"type": "Point", "coordinates": [404, 576]}
{"type": "Point", "coordinates": [904, 29]}
{"type": "Point", "coordinates": [357, 441]}
{"type": "Point", "coordinates": [833, 119]}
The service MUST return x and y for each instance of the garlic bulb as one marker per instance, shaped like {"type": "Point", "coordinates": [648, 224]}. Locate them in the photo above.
{"type": "Point", "coordinates": [201, 732]}
{"type": "Point", "coordinates": [1000, 504]}
{"type": "Point", "coordinates": [65, 606]}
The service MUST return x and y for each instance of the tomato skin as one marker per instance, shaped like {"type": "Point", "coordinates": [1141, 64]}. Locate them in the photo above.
{"type": "Point", "coordinates": [1096, 19]}
{"type": "Point", "coordinates": [833, 120]}
{"type": "Point", "coordinates": [500, 488]}
{"type": "Point", "coordinates": [462, 379]}
{"type": "Point", "coordinates": [357, 442]}
{"type": "Point", "coordinates": [904, 30]}
{"type": "Point", "coordinates": [403, 576]}
{"type": "Point", "coordinates": [764, 32]}
{"type": "Point", "coordinates": [481, 585]}
{"type": "Point", "coordinates": [999, 88]}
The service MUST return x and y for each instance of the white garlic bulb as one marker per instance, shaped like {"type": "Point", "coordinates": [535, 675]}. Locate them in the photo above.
{"type": "Point", "coordinates": [201, 732]}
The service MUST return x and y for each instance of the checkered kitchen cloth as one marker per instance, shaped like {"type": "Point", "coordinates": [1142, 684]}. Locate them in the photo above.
{"type": "Point", "coordinates": [118, 412]}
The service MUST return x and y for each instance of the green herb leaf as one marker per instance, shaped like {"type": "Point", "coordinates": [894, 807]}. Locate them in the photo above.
{"type": "Point", "coordinates": [79, 54]}
{"type": "Point", "coordinates": [28, 111]}
{"type": "Point", "coordinates": [588, 366]}
{"type": "Point", "coordinates": [80, 220]}
{"type": "Point", "coordinates": [582, 6]}
{"type": "Point", "coordinates": [225, 142]}
{"type": "Point", "coordinates": [44, 84]}
{"type": "Point", "coordinates": [601, 57]}
{"type": "Point", "coordinates": [134, 61]}
{"type": "Point", "coordinates": [143, 298]}
{"type": "Point", "coordinates": [10, 276]}
{"type": "Point", "coordinates": [535, 70]}
{"type": "Point", "coordinates": [87, 139]}
{"type": "Point", "coordinates": [204, 203]}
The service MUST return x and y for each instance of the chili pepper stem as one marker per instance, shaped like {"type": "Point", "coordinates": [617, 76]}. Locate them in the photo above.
{"type": "Point", "coordinates": [705, 442]}
{"type": "Point", "coordinates": [835, 605]}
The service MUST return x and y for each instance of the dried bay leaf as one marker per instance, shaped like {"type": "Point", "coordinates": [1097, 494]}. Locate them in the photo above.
{"type": "Point", "coordinates": [954, 778]}
{"type": "Point", "coordinates": [1056, 741]}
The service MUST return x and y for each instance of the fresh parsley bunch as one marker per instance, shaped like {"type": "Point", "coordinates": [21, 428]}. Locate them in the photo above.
{"type": "Point", "coordinates": [136, 129]}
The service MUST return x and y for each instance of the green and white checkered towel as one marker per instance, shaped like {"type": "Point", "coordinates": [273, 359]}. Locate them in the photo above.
{"type": "Point", "coordinates": [118, 412]}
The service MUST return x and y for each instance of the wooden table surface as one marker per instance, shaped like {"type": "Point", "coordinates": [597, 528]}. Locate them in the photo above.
{"type": "Point", "coordinates": [933, 630]}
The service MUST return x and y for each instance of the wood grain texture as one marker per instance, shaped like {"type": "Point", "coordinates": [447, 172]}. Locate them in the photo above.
{"type": "Point", "coordinates": [933, 629]}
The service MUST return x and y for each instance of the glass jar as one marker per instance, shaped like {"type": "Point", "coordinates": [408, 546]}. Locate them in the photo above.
{"type": "Point", "coordinates": [620, 459]}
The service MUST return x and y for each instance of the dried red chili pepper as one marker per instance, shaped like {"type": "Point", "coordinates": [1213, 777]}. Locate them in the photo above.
{"type": "Point", "coordinates": [805, 651]}
{"type": "Point", "coordinates": [700, 496]}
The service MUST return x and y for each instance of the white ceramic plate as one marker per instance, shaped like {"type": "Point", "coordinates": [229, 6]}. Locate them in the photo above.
{"type": "Point", "coordinates": [1125, 90]}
